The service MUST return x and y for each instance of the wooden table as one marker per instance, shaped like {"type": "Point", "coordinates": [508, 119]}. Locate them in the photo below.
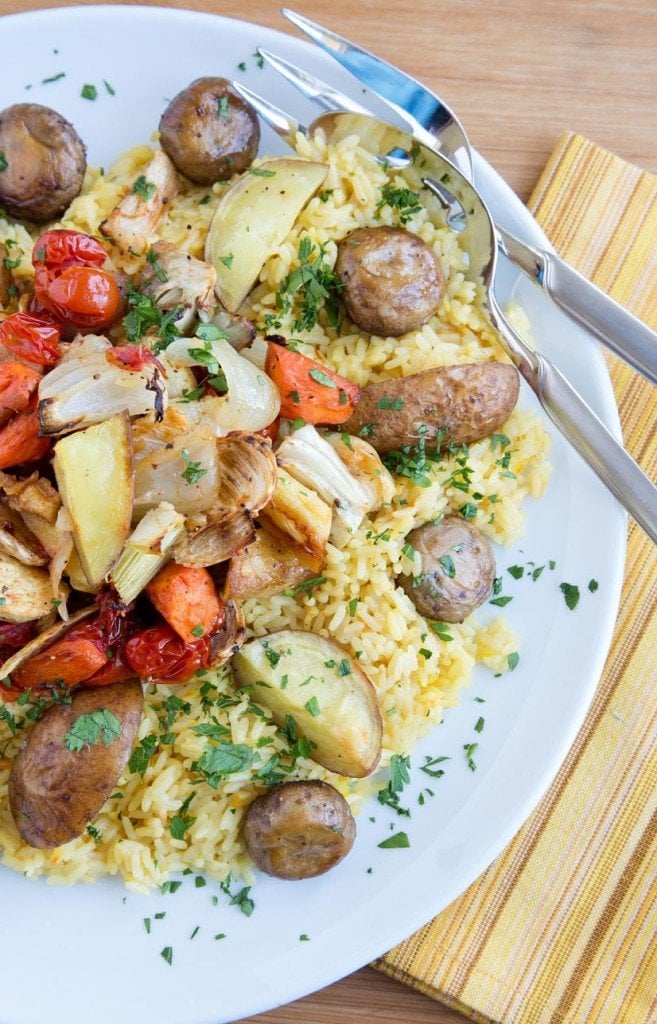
{"type": "Point", "coordinates": [519, 74]}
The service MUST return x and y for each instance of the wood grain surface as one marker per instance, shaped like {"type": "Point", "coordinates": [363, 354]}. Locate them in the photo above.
{"type": "Point", "coordinates": [519, 74]}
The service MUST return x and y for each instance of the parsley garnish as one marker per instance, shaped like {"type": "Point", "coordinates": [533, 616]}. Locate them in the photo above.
{"type": "Point", "coordinates": [4, 163]}
{"type": "Point", "coordinates": [227, 260]}
{"type": "Point", "coordinates": [447, 565]}
{"type": "Point", "coordinates": [512, 660]}
{"type": "Point", "coordinates": [312, 707]}
{"type": "Point", "coordinates": [393, 404]}
{"type": "Point", "coordinates": [53, 78]}
{"type": "Point", "coordinates": [322, 378]}
{"type": "Point", "coordinates": [198, 631]}
{"type": "Point", "coordinates": [145, 189]}
{"type": "Point", "coordinates": [470, 750]}
{"type": "Point", "coordinates": [305, 587]}
{"type": "Point", "coordinates": [593, 586]}
{"type": "Point", "coordinates": [571, 594]}
{"type": "Point", "coordinates": [109, 88]}
{"type": "Point", "coordinates": [225, 759]}
{"type": "Point", "coordinates": [167, 954]}
{"type": "Point", "coordinates": [399, 777]}
{"type": "Point", "coordinates": [193, 470]}
{"type": "Point", "coordinates": [306, 289]}
{"type": "Point", "coordinates": [403, 200]}
{"type": "Point", "coordinates": [441, 629]}
{"type": "Point", "coordinates": [413, 462]}
{"type": "Point", "coordinates": [142, 754]}
{"type": "Point", "coordinates": [89, 92]}
{"type": "Point", "coordinates": [429, 767]}
{"type": "Point", "coordinates": [397, 842]}
{"type": "Point", "coordinates": [262, 172]}
{"type": "Point", "coordinates": [223, 106]}
{"type": "Point", "coordinates": [352, 605]}
{"type": "Point", "coordinates": [143, 314]}
{"type": "Point", "coordinates": [151, 258]}
{"type": "Point", "coordinates": [479, 724]}
{"type": "Point", "coordinates": [87, 730]}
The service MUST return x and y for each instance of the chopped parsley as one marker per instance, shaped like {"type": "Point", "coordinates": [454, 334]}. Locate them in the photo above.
{"type": "Point", "coordinates": [512, 660]}
{"type": "Point", "coordinates": [447, 565]}
{"type": "Point", "coordinates": [262, 172]}
{"type": "Point", "coordinates": [593, 586]}
{"type": "Point", "coordinates": [89, 92]}
{"type": "Point", "coordinates": [167, 954]}
{"type": "Point", "coordinates": [87, 730]}
{"type": "Point", "coordinates": [322, 378]}
{"type": "Point", "coordinates": [306, 289]}
{"type": "Point", "coordinates": [227, 260]}
{"type": "Point", "coordinates": [198, 631]}
{"type": "Point", "coordinates": [143, 315]}
{"type": "Point", "coordinates": [111, 90]}
{"type": "Point", "coordinates": [312, 707]}
{"type": "Point", "coordinates": [403, 200]}
{"type": "Point", "coordinates": [441, 629]}
{"type": "Point", "coordinates": [399, 778]}
{"type": "Point", "coordinates": [399, 841]}
{"type": "Point", "coordinates": [181, 821]}
{"type": "Point", "coordinates": [517, 571]}
{"type": "Point", "coordinates": [142, 754]}
{"type": "Point", "coordinates": [53, 78]}
{"type": "Point", "coordinates": [391, 404]}
{"type": "Point", "coordinates": [502, 601]}
{"type": "Point", "coordinates": [4, 163]}
{"type": "Point", "coordinates": [344, 667]}
{"type": "Point", "coordinates": [429, 767]}
{"type": "Point", "coordinates": [223, 104]}
{"type": "Point", "coordinates": [143, 188]}
{"type": "Point", "coordinates": [479, 724]}
{"type": "Point", "coordinates": [468, 510]}
{"type": "Point", "coordinates": [470, 750]}
{"type": "Point", "coordinates": [222, 760]}
{"type": "Point", "coordinates": [192, 473]}
{"type": "Point", "coordinates": [316, 581]}
{"type": "Point", "coordinates": [570, 594]}
{"type": "Point", "coordinates": [94, 833]}
{"type": "Point", "coordinates": [151, 258]}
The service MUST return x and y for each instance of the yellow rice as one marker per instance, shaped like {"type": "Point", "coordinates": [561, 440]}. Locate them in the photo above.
{"type": "Point", "coordinates": [385, 631]}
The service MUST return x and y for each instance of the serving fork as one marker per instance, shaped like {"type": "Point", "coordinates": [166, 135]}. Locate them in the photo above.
{"type": "Point", "coordinates": [432, 122]}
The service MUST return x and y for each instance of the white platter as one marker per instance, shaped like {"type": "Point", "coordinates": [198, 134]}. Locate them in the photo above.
{"type": "Point", "coordinates": [69, 953]}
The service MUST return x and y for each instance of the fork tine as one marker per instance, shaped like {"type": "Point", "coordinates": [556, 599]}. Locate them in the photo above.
{"type": "Point", "coordinates": [323, 95]}
{"type": "Point", "coordinates": [283, 124]}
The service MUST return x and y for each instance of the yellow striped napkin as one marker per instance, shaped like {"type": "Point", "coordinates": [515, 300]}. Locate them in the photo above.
{"type": "Point", "coordinates": [563, 926]}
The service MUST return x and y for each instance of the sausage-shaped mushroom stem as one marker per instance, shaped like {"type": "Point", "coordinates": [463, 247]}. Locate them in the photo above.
{"type": "Point", "coordinates": [447, 405]}
{"type": "Point", "coordinates": [43, 162]}
{"type": "Point", "coordinates": [299, 829]}
{"type": "Point", "coordinates": [458, 569]}
{"type": "Point", "coordinates": [209, 132]}
{"type": "Point", "coordinates": [72, 761]}
{"type": "Point", "coordinates": [392, 280]}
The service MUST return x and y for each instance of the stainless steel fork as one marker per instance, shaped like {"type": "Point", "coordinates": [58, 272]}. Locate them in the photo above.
{"type": "Point", "coordinates": [432, 122]}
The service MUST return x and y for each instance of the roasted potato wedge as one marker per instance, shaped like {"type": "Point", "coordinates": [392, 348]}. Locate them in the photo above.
{"type": "Point", "coordinates": [314, 680]}
{"type": "Point", "coordinates": [253, 217]}
{"type": "Point", "coordinates": [25, 591]}
{"type": "Point", "coordinates": [58, 783]}
{"type": "Point", "coordinates": [299, 829]}
{"type": "Point", "coordinates": [268, 566]}
{"type": "Point", "coordinates": [455, 404]}
{"type": "Point", "coordinates": [94, 470]}
{"type": "Point", "coordinates": [298, 512]}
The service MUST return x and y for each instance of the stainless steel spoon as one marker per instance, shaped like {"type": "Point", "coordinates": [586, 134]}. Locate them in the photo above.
{"type": "Point", "coordinates": [426, 169]}
{"type": "Point", "coordinates": [433, 123]}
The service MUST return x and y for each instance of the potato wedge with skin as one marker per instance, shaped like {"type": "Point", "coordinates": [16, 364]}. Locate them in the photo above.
{"type": "Point", "coordinates": [54, 792]}
{"type": "Point", "coordinates": [95, 477]}
{"type": "Point", "coordinates": [253, 218]}
{"type": "Point", "coordinates": [315, 681]}
{"type": "Point", "coordinates": [268, 566]}
{"type": "Point", "coordinates": [458, 404]}
{"type": "Point", "coordinates": [298, 512]}
{"type": "Point", "coordinates": [25, 591]}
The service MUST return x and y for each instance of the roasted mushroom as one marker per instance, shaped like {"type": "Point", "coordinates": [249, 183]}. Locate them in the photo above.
{"type": "Point", "coordinates": [392, 280]}
{"type": "Point", "coordinates": [458, 569]}
{"type": "Point", "coordinates": [299, 830]}
{"type": "Point", "coordinates": [209, 132]}
{"type": "Point", "coordinates": [43, 163]}
{"type": "Point", "coordinates": [448, 405]}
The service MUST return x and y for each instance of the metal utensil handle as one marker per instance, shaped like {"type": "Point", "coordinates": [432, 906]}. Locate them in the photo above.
{"type": "Point", "coordinates": [583, 429]}
{"type": "Point", "coordinates": [620, 331]}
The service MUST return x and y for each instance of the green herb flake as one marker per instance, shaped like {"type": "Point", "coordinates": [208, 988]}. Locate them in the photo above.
{"type": "Point", "coordinates": [517, 571]}
{"type": "Point", "coordinates": [167, 954]}
{"type": "Point", "coordinates": [87, 730]}
{"type": "Point", "coordinates": [312, 707]}
{"type": "Point", "coordinates": [403, 200]}
{"type": "Point", "coordinates": [193, 470]}
{"type": "Point", "coordinates": [512, 660]}
{"type": "Point", "coordinates": [593, 586]}
{"type": "Point", "coordinates": [152, 260]}
{"type": "Point", "coordinates": [4, 163]}
{"type": "Point", "coordinates": [344, 667]}
{"type": "Point", "coordinates": [571, 595]}
{"type": "Point", "coordinates": [322, 378]}
{"type": "Point", "coordinates": [441, 629]}
{"type": "Point", "coordinates": [143, 188]}
{"type": "Point", "coordinates": [391, 404]}
{"type": "Point", "coordinates": [53, 78]}
{"type": "Point", "coordinates": [223, 105]}
{"type": "Point", "coordinates": [352, 606]}
{"type": "Point", "coordinates": [429, 766]}
{"type": "Point", "coordinates": [217, 762]}
{"type": "Point", "coordinates": [426, 654]}
{"type": "Point", "coordinates": [227, 260]}
{"type": "Point", "coordinates": [304, 938]}
{"type": "Point", "coordinates": [479, 724]}
{"type": "Point", "coordinates": [470, 750]}
{"type": "Point", "coordinates": [111, 90]}
{"type": "Point", "coordinates": [501, 602]}
{"type": "Point", "coordinates": [262, 172]}
{"type": "Point", "coordinates": [399, 841]}
{"type": "Point", "coordinates": [89, 92]}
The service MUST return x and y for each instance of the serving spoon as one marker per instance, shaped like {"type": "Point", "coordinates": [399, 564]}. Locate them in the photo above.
{"type": "Point", "coordinates": [432, 122]}
{"type": "Point", "coordinates": [453, 196]}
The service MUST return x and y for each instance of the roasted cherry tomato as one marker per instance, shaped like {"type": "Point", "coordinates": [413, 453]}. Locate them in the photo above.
{"type": "Point", "coordinates": [58, 249]}
{"type": "Point", "coordinates": [159, 653]}
{"type": "Point", "coordinates": [19, 438]}
{"type": "Point", "coordinates": [132, 357]}
{"type": "Point", "coordinates": [81, 296]}
{"type": "Point", "coordinates": [115, 671]}
{"type": "Point", "coordinates": [17, 386]}
{"type": "Point", "coordinates": [71, 660]}
{"type": "Point", "coordinates": [31, 338]}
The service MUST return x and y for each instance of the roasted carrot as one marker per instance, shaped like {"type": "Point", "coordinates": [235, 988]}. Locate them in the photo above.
{"type": "Point", "coordinates": [308, 389]}
{"type": "Point", "coordinates": [188, 600]}
{"type": "Point", "coordinates": [71, 660]}
{"type": "Point", "coordinates": [19, 438]}
{"type": "Point", "coordinates": [17, 385]}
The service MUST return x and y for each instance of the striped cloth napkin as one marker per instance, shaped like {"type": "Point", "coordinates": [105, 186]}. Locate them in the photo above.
{"type": "Point", "coordinates": [558, 931]}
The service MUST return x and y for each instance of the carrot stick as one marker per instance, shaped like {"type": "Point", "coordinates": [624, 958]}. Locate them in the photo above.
{"type": "Point", "coordinates": [308, 389]}
{"type": "Point", "coordinates": [71, 660]}
{"type": "Point", "coordinates": [17, 385]}
{"type": "Point", "coordinates": [19, 439]}
{"type": "Point", "coordinates": [187, 599]}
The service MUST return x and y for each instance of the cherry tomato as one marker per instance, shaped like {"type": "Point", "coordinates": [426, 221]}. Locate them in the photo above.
{"type": "Point", "coordinates": [57, 249]}
{"type": "Point", "coordinates": [159, 653]}
{"type": "Point", "coordinates": [82, 296]}
{"type": "Point", "coordinates": [132, 357]}
{"type": "Point", "coordinates": [115, 671]}
{"type": "Point", "coordinates": [31, 338]}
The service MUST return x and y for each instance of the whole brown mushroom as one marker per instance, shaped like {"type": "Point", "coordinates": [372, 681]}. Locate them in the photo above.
{"type": "Point", "coordinates": [42, 162]}
{"type": "Point", "coordinates": [392, 280]}
{"type": "Point", "coordinates": [458, 569]}
{"type": "Point", "coordinates": [299, 829]}
{"type": "Point", "coordinates": [209, 131]}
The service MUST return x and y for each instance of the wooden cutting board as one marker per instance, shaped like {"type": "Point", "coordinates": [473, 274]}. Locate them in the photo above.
{"type": "Point", "coordinates": [518, 74]}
